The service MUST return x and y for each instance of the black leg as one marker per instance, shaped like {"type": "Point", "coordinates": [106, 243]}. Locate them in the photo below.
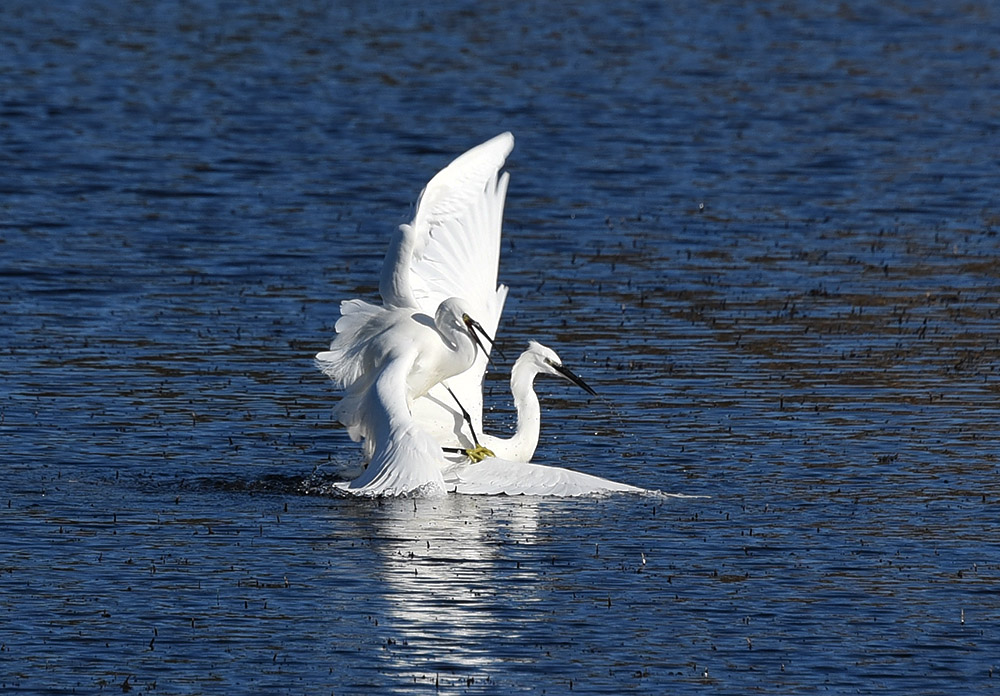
{"type": "Point", "coordinates": [465, 415]}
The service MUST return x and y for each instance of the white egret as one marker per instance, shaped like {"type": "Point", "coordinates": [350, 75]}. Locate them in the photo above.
{"type": "Point", "coordinates": [384, 359]}
{"type": "Point", "coordinates": [443, 265]}
{"type": "Point", "coordinates": [410, 379]}
{"type": "Point", "coordinates": [508, 471]}
{"type": "Point", "coordinates": [537, 360]}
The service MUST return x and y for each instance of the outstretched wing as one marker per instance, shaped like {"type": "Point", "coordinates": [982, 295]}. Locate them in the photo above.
{"type": "Point", "coordinates": [501, 477]}
{"type": "Point", "coordinates": [452, 249]}
{"type": "Point", "coordinates": [452, 246]}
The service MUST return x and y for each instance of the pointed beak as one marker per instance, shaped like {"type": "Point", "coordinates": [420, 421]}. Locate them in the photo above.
{"type": "Point", "coordinates": [568, 375]}
{"type": "Point", "coordinates": [473, 326]}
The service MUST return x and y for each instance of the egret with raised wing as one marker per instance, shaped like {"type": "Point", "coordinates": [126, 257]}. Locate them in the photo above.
{"type": "Point", "coordinates": [439, 276]}
{"type": "Point", "coordinates": [414, 384]}
{"type": "Point", "coordinates": [384, 359]}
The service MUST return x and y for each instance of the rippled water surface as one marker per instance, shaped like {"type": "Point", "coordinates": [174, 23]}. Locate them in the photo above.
{"type": "Point", "coordinates": [766, 233]}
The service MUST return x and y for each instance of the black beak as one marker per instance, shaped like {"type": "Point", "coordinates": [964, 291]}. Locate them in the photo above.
{"type": "Point", "coordinates": [565, 373]}
{"type": "Point", "coordinates": [473, 326]}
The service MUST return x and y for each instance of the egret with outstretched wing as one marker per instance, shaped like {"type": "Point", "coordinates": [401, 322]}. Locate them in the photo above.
{"type": "Point", "coordinates": [452, 249]}
{"type": "Point", "coordinates": [414, 385]}
{"type": "Point", "coordinates": [439, 277]}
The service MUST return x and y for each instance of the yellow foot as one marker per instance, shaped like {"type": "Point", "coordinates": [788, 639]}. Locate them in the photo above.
{"type": "Point", "coordinates": [479, 453]}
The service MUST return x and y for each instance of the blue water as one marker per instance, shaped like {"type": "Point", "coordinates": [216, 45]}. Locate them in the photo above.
{"type": "Point", "coordinates": [766, 234]}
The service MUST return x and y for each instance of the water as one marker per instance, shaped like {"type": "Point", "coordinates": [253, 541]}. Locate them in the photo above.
{"type": "Point", "coordinates": [766, 234]}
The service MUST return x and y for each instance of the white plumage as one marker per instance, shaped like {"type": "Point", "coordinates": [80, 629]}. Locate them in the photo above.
{"type": "Point", "coordinates": [384, 359]}
{"type": "Point", "coordinates": [396, 362]}
{"type": "Point", "coordinates": [494, 476]}
{"type": "Point", "coordinates": [520, 446]}
{"type": "Point", "coordinates": [452, 249]}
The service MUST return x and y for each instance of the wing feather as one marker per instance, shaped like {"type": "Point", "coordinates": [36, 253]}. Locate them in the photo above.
{"type": "Point", "coordinates": [502, 477]}
{"type": "Point", "coordinates": [452, 246]}
{"type": "Point", "coordinates": [345, 362]}
{"type": "Point", "coordinates": [458, 224]}
{"type": "Point", "coordinates": [405, 459]}
{"type": "Point", "coordinates": [454, 251]}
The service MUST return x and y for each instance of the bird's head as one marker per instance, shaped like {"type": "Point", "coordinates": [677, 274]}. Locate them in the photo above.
{"type": "Point", "coordinates": [454, 314]}
{"type": "Point", "coordinates": [548, 363]}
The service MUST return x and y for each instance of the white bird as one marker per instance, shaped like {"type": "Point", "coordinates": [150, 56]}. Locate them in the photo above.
{"type": "Point", "coordinates": [520, 447]}
{"type": "Point", "coordinates": [415, 384]}
{"type": "Point", "coordinates": [384, 359]}
{"type": "Point", "coordinates": [508, 471]}
{"type": "Point", "coordinates": [443, 265]}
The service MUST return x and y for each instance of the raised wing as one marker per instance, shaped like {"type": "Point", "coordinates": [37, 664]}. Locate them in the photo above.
{"type": "Point", "coordinates": [452, 246]}
{"type": "Point", "coordinates": [452, 249]}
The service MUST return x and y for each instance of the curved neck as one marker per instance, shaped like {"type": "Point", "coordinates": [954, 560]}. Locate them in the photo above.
{"type": "Point", "coordinates": [465, 350]}
{"type": "Point", "coordinates": [529, 414]}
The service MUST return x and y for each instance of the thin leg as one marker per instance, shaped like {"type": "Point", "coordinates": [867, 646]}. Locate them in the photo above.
{"type": "Point", "coordinates": [477, 453]}
{"type": "Point", "coordinates": [465, 415]}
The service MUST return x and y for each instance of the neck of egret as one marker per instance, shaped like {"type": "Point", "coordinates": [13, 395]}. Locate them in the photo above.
{"type": "Point", "coordinates": [411, 369]}
{"type": "Point", "coordinates": [537, 360]}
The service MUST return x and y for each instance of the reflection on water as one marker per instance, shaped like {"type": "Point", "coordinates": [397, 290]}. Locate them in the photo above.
{"type": "Point", "coordinates": [450, 593]}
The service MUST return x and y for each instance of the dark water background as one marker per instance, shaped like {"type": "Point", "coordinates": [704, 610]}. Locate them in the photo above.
{"type": "Point", "coordinates": [765, 232]}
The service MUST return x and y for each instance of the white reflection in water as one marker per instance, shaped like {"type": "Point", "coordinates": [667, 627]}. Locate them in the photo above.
{"type": "Point", "coordinates": [452, 583]}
